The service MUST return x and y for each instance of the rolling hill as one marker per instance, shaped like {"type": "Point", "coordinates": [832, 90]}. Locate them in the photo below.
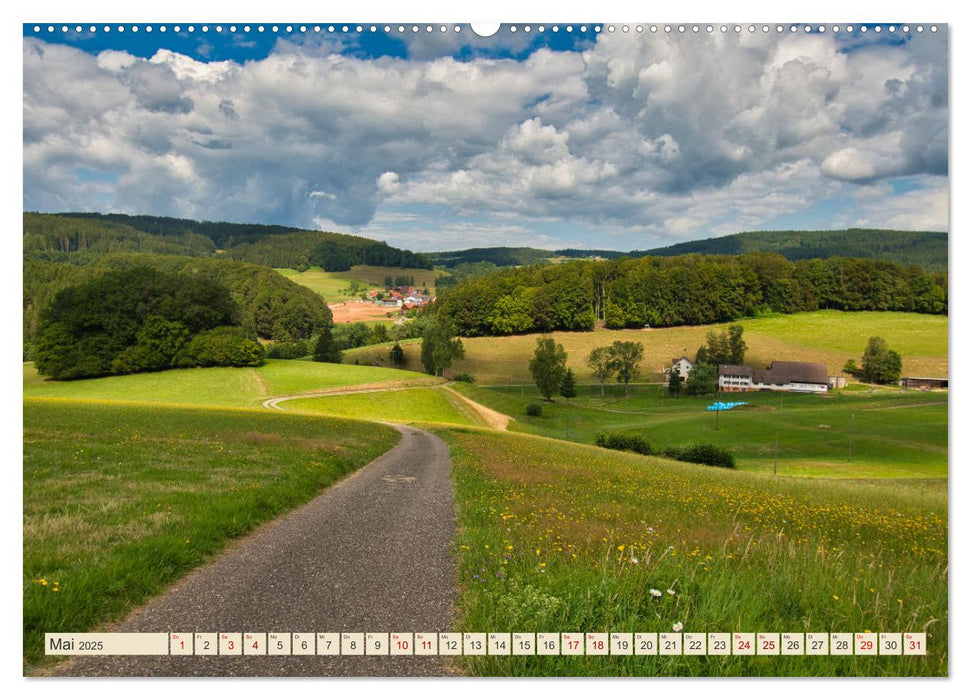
{"type": "Point", "coordinates": [925, 248]}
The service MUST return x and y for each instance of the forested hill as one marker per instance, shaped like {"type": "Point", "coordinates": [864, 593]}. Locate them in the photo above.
{"type": "Point", "coordinates": [80, 237]}
{"type": "Point", "coordinates": [270, 305]}
{"type": "Point", "coordinates": [924, 248]}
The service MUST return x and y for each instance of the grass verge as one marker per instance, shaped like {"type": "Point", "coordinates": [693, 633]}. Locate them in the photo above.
{"type": "Point", "coordinates": [562, 537]}
{"type": "Point", "coordinates": [120, 501]}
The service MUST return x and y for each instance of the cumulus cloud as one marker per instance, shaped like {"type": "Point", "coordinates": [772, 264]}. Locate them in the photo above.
{"type": "Point", "coordinates": [637, 139]}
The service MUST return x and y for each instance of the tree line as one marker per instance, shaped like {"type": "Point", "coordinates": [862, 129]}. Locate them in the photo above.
{"type": "Point", "coordinates": [682, 290]}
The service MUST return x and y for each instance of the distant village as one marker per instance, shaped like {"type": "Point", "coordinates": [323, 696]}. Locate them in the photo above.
{"type": "Point", "coordinates": [402, 298]}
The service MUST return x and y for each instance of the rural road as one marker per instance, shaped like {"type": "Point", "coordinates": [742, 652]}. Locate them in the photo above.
{"type": "Point", "coordinates": [371, 554]}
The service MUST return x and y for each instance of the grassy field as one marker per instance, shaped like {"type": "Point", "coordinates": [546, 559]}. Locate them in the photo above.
{"type": "Point", "coordinates": [895, 433]}
{"type": "Point", "coordinates": [376, 275]}
{"type": "Point", "coordinates": [335, 286]}
{"type": "Point", "coordinates": [416, 405]}
{"type": "Point", "coordinates": [831, 337]}
{"type": "Point", "coordinates": [122, 500]}
{"type": "Point", "coordinates": [332, 286]}
{"type": "Point", "coordinates": [222, 386]}
{"type": "Point", "coordinates": [131, 481]}
{"type": "Point", "coordinates": [563, 537]}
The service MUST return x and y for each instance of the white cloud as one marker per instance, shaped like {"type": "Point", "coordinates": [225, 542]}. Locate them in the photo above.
{"type": "Point", "coordinates": [636, 138]}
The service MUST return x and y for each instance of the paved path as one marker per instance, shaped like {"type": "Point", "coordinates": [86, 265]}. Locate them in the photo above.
{"type": "Point", "coordinates": [371, 554]}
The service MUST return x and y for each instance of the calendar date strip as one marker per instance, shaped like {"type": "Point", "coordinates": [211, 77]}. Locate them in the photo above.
{"type": "Point", "coordinates": [487, 644]}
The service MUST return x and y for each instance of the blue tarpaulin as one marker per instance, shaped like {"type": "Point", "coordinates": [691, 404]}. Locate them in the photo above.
{"type": "Point", "coordinates": [726, 405]}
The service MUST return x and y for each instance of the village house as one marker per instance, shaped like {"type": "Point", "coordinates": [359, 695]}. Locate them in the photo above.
{"type": "Point", "coordinates": [806, 377]}
{"type": "Point", "coordinates": [682, 364]}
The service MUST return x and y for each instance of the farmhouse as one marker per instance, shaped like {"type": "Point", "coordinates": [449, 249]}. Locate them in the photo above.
{"type": "Point", "coordinates": [808, 377]}
{"type": "Point", "coordinates": [682, 364]}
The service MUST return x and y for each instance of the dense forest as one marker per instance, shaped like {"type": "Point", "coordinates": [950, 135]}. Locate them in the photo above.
{"type": "Point", "coordinates": [141, 319]}
{"type": "Point", "coordinates": [80, 237]}
{"type": "Point", "coordinates": [499, 256]}
{"type": "Point", "coordinates": [683, 290]}
{"type": "Point", "coordinates": [270, 305]}
{"type": "Point", "coordinates": [927, 249]}
{"type": "Point", "coordinates": [924, 248]}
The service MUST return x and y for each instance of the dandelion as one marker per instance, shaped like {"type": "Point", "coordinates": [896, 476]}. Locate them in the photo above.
{"type": "Point", "coordinates": [835, 597]}
{"type": "Point", "coordinates": [677, 626]}
{"type": "Point", "coordinates": [656, 593]}
{"type": "Point", "coordinates": [620, 548]}
{"type": "Point", "coordinates": [42, 581]}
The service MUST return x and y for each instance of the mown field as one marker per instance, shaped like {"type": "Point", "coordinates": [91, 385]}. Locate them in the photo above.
{"type": "Point", "coordinates": [335, 286]}
{"type": "Point", "coordinates": [332, 286]}
{"type": "Point", "coordinates": [415, 405]}
{"type": "Point", "coordinates": [891, 433]}
{"type": "Point", "coordinates": [562, 537]}
{"type": "Point", "coordinates": [831, 337]}
{"type": "Point", "coordinates": [222, 386]}
{"type": "Point", "coordinates": [121, 500]}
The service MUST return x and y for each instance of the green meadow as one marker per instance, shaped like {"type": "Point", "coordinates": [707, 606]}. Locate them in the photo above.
{"type": "Point", "coordinates": [222, 386]}
{"type": "Point", "coordinates": [336, 286]}
{"type": "Point", "coordinates": [121, 500]}
{"type": "Point", "coordinates": [415, 405]}
{"type": "Point", "coordinates": [834, 520]}
{"type": "Point", "coordinates": [562, 537]}
{"type": "Point", "coordinates": [846, 434]}
{"type": "Point", "coordinates": [332, 286]}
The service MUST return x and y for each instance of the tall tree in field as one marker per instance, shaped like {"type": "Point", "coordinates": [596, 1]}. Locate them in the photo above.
{"type": "Point", "coordinates": [625, 358]}
{"type": "Point", "coordinates": [675, 382]}
{"type": "Point", "coordinates": [568, 387]}
{"type": "Point", "coordinates": [439, 347]}
{"type": "Point", "coordinates": [600, 362]}
{"type": "Point", "coordinates": [326, 348]}
{"type": "Point", "coordinates": [736, 346]}
{"type": "Point", "coordinates": [880, 365]}
{"type": "Point", "coordinates": [396, 355]}
{"type": "Point", "coordinates": [548, 366]}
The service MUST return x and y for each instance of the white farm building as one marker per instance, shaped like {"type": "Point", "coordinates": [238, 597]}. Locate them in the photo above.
{"type": "Point", "coordinates": [806, 377]}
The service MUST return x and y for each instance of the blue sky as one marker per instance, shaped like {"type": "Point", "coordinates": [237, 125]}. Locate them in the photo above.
{"type": "Point", "coordinates": [442, 139]}
{"type": "Point", "coordinates": [215, 42]}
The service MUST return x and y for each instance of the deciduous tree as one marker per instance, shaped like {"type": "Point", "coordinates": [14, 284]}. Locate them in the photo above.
{"type": "Point", "coordinates": [548, 366]}
{"type": "Point", "coordinates": [880, 365]}
{"type": "Point", "coordinates": [599, 361]}
{"type": "Point", "coordinates": [625, 358]}
{"type": "Point", "coordinates": [439, 347]}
